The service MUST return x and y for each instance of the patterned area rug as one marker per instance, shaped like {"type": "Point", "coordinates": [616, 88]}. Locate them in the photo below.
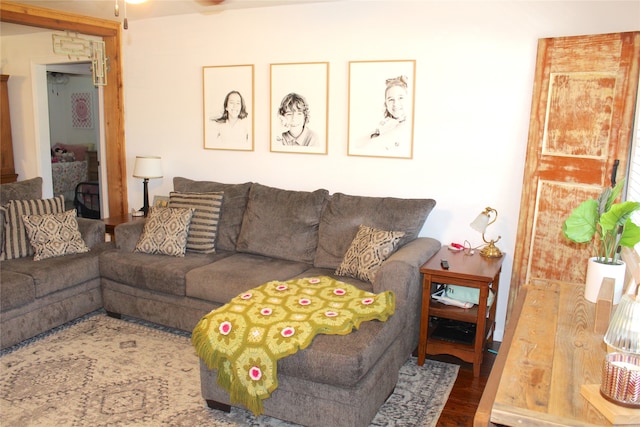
{"type": "Point", "coordinates": [99, 371]}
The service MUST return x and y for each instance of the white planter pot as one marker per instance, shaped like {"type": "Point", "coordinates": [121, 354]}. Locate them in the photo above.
{"type": "Point", "coordinates": [597, 271]}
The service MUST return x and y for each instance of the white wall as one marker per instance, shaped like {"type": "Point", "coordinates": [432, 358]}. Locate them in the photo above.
{"type": "Point", "coordinates": [475, 67]}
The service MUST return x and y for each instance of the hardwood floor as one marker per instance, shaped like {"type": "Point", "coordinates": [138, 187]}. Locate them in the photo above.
{"type": "Point", "coordinates": [467, 391]}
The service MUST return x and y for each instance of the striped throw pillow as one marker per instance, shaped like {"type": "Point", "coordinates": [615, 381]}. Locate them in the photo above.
{"type": "Point", "coordinates": [16, 243]}
{"type": "Point", "coordinates": [204, 223]}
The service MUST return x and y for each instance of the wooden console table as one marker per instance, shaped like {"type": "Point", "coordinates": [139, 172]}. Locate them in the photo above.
{"type": "Point", "coordinates": [549, 351]}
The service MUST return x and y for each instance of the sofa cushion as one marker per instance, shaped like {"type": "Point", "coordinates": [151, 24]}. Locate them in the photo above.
{"type": "Point", "coordinates": [367, 252]}
{"type": "Point", "coordinates": [55, 274]}
{"type": "Point", "coordinates": [234, 203]}
{"type": "Point", "coordinates": [16, 240]}
{"type": "Point", "coordinates": [332, 359]}
{"type": "Point", "coordinates": [22, 190]}
{"type": "Point", "coordinates": [53, 235]}
{"type": "Point", "coordinates": [282, 223]}
{"type": "Point", "coordinates": [344, 213]}
{"type": "Point", "coordinates": [16, 289]}
{"type": "Point", "coordinates": [161, 274]}
{"type": "Point", "coordinates": [227, 278]}
{"type": "Point", "coordinates": [204, 223]}
{"type": "Point", "coordinates": [165, 232]}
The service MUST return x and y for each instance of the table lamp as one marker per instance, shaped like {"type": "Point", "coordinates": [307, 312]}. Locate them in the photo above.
{"type": "Point", "coordinates": [147, 167]}
{"type": "Point", "coordinates": [480, 224]}
{"type": "Point", "coordinates": [621, 369]}
{"type": "Point", "coordinates": [623, 333]}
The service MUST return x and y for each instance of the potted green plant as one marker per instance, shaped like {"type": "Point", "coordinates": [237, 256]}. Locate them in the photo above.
{"type": "Point", "coordinates": [609, 227]}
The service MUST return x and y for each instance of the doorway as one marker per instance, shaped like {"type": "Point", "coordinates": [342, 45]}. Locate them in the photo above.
{"type": "Point", "coordinates": [75, 141]}
{"type": "Point", "coordinates": [113, 153]}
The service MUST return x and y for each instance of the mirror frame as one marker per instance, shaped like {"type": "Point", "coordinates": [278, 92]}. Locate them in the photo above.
{"type": "Point", "coordinates": [114, 158]}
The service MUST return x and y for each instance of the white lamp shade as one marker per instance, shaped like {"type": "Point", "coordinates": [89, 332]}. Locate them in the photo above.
{"type": "Point", "coordinates": [148, 167]}
{"type": "Point", "coordinates": [624, 329]}
{"type": "Point", "coordinates": [480, 223]}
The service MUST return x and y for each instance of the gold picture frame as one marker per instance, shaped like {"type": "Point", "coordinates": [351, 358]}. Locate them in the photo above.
{"type": "Point", "coordinates": [380, 93]}
{"type": "Point", "coordinates": [160, 201]}
{"type": "Point", "coordinates": [228, 103]}
{"type": "Point", "coordinates": [299, 99]}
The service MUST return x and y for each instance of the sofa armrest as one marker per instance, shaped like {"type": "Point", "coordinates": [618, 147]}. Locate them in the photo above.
{"type": "Point", "coordinates": [128, 234]}
{"type": "Point", "coordinates": [92, 231]}
{"type": "Point", "coordinates": [401, 274]}
{"type": "Point", "coordinates": [402, 269]}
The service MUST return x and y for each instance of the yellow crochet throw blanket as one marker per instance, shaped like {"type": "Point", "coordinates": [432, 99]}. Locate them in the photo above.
{"type": "Point", "coordinates": [244, 339]}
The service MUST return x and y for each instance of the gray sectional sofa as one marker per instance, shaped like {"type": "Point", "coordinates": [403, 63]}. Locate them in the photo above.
{"type": "Point", "coordinates": [263, 234]}
{"type": "Point", "coordinates": [268, 234]}
{"type": "Point", "coordinates": [36, 296]}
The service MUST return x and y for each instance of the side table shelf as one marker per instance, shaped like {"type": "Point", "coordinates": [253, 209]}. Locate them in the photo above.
{"type": "Point", "coordinates": [473, 271]}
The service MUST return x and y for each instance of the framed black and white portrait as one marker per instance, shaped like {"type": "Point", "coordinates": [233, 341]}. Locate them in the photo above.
{"type": "Point", "coordinates": [228, 107]}
{"type": "Point", "coordinates": [299, 107]}
{"type": "Point", "coordinates": [381, 108]}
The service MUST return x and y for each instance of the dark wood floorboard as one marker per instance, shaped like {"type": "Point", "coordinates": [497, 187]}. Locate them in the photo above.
{"type": "Point", "coordinates": [467, 391]}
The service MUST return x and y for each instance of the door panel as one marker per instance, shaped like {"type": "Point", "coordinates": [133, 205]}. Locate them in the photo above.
{"type": "Point", "coordinates": [581, 118]}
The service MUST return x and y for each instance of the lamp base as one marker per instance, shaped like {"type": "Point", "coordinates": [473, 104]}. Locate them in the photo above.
{"type": "Point", "coordinates": [491, 251]}
{"type": "Point", "coordinates": [145, 207]}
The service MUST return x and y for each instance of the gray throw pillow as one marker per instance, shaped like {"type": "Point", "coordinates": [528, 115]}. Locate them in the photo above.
{"type": "Point", "coordinates": [234, 202]}
{"type": "Point", "coordinates": [344, 214]}
{"type": "Point", "coordinates": [281, 223]}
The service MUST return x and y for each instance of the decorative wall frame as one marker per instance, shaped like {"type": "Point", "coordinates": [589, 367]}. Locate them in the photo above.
{"type": "Point", "coordinates": [228, 101]}
{"type": "Point", "coordinates": [160, 201]}
{"type": "Point", "coordinates": [81, 111]}
{"type": "Point", "coordinates": [381, 108]}
{"type": "Point", "coordinates": [299, 107]}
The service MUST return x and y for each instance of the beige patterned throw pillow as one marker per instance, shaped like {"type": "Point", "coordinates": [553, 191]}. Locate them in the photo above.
{"type": "Point", "coordinates": [53, 235]}
{"type": "Point", "coordinates": [16, 244]}
{"type": "Point", "coordinates": [204, 223]}
{"type": "Point", "coordinates": [165, 231]}
{"type": "Point", "coordinates": [367, 252]}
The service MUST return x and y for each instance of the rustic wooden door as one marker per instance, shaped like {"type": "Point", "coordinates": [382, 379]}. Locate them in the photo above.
{"type": "Point", "coordinates": [582, 111]}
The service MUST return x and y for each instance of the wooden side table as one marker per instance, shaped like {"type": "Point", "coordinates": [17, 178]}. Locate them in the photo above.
{"type": "Point", "coordinates": [474, 271]}
{"type": "Point", "coordinates": [112, 222]}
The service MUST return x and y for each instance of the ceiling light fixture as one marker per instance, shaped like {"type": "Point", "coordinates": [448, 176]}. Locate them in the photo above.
{"type": "Point", "coordinates": [116, 10]}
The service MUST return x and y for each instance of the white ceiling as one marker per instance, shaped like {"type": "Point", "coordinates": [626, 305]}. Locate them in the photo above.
{"type": "Point", "coordinates": [104, 9]}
